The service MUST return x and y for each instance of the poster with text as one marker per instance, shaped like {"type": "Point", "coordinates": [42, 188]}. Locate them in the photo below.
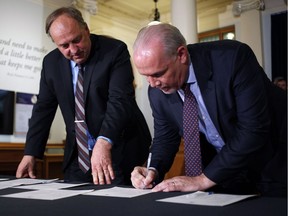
{"type": "Point", "coordinates": [23, 112]}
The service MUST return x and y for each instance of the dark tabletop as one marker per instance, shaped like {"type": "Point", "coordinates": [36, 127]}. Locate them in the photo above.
{"type": "Point", "coordinates": [145, 205]}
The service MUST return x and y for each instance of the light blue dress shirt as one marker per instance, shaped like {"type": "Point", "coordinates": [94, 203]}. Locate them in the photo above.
{"type": "Point", "coordinates": [91, 139]}
{"type": "Point", "coordinates": [206, 125]}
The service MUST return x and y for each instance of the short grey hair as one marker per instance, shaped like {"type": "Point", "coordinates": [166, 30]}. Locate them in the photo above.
{"type": "Point", "coordinates": [70, 12]}
{"type": "Point", "coordinates": [168, 35]}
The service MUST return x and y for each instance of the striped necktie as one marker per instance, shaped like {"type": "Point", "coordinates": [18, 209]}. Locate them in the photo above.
{"type": "Point", "coordinates": [192, 151]}
{"type": "Point", "coordinates": [80, 125]}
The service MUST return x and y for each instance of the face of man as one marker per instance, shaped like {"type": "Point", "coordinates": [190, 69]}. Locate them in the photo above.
{"type": "Point", "coordinates": [166, 73]}
{"type": "Point", "coordinates": [282, 84]}
{"type": "Point", "coordinates": [72, 40]}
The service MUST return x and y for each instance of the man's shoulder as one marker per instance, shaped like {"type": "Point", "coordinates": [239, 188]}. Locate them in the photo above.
{"type": "Point", "coordinates": [218, 49]}
{"type": "Point", "coordinates": [53, 55]}
{"type": "Point", "coordinates": [106, 40]}
{"type": "Point", "coordinates": [220, 44]}
{"type": "Point", "coordinates": [107, 44]}
{"type": "Point", "coordinates": [158, 96]}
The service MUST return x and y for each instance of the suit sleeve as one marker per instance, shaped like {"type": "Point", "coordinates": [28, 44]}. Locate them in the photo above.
{"type": "Point", "coordinates": [243, 115]}
{"type": "Point", "coordinates": [111, 92]}
{"type": "Point", "coordinates": [42, 117]}
{"type": "Point", "coordinates": [166, 131]}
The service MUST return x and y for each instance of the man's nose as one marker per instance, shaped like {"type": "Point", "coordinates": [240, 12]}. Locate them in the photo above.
{"type": "Point", "coordinates": [151, 81]}
{"type": "Point", "coordinates": [73, 49]}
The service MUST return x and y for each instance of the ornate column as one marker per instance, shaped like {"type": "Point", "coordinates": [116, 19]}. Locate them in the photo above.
{"type": "Point", "coordinates": [184, 17]}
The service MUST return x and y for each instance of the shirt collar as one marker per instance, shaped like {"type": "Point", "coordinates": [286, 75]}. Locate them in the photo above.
{"type": "Point", "coordinates": [191, 77]}
{"type": "Point", "coordinates": [73, 64]}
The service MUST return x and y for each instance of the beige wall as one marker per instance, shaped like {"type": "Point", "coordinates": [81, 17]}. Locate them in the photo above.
{"type": "Point", "coordinates": [248, 30]}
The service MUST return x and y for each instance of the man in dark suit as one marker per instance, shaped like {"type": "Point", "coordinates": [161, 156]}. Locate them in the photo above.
{"type": "Point", "coordinates": [243, 138]}
{"type": "Point", "coordinates": [118, 136]}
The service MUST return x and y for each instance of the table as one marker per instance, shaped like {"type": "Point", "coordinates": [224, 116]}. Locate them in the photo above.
{"type": "Point", "coordinates": [145, 205]}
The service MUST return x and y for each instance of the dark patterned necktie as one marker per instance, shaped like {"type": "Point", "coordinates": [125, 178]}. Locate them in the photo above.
{"type": "Point", "coordinates": [192, 152]}
{"type": "Point", "coordinates": [80, 125]}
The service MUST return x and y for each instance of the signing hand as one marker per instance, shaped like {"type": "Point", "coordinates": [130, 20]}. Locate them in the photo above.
{"type": "Point", "coordinates": [26, 167]}
{"type": "Point", "coordinates": [184, 184]}
{"type": "Point", "coordinates": [142, 178]}
{"type": "Point", "coordinates": [101, 163]}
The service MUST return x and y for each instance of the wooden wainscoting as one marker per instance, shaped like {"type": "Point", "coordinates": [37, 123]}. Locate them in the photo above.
{"type": "Point", "coordinates": [178, 167]}
{"type": "Point", "coordinates": [49, 167]}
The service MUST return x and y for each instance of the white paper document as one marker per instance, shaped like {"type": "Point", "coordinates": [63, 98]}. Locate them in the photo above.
{"type": "Point", "coordinates": [119, 192]}
{"type": "Point", "coordinates": [49, 186]}
{"type": "Point", "coordinates": [24, 181]}
{"type": "Point", "coordinates": [207, 199]}
{"type": "Point", "coordinates": [46, 194]}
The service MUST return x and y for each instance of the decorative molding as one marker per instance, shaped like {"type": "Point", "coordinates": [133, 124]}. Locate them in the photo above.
{"type": "Point", "coordinates": [87, 5]}
{"type": "Point", "coordinates": [240, 6]}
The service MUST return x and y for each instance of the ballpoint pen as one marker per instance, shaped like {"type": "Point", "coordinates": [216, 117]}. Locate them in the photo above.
{"type": "Point", "coordinates": [149, 161]}
{"type": "Point", "coordinates": [148, 165]}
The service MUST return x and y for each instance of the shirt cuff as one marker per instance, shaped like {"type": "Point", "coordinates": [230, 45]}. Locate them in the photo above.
{"type": "Point", "coordinates": [105, 138]}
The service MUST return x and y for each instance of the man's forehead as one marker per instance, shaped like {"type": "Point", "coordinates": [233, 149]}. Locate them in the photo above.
{"type": "Point", "coordinates": [149, 50]}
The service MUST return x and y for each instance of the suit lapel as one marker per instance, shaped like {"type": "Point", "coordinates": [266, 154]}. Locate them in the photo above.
{"type": "Point", "coordinates": [91, 64]}
{"type": "Point", "coordinates": [66, 74]}
{"type": "Point", "coordinates": [203, 73]}
{"type": "Point", "coordinates": [87, 79]}
{"type": "Point", "coordinates": [177, 107]}
{"type": "Point", "coordinates": [210, 100]}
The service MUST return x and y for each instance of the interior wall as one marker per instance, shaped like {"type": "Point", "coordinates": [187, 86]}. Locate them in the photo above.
{"type": "Point", "coordinates": [251, 27]}
{"type": "Point", "coordinates": [272, 7]}
{"type": "Point", "coordinates": [247, 28]}
{"type": "Point", "coordinates": [254, 28]}
{"type": "Point", "coordinates": [23, 36]}
{"type": "Point", "coordinates": [120, 26]}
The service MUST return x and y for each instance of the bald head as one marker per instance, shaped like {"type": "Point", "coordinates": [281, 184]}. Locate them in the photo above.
{"type": "Point", "coordinates": [160, 54]}
{"type": "Point", "coordinates": [164, 35]}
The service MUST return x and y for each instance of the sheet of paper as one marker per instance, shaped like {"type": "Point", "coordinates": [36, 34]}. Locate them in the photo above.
{"type": "Point", "coordinates": [23, 181]}
{"type": "Point", "coordinates": [49, 186]}
{"type": "Point", "coordinates": [207, 199]}
{"type": "Point", "coordinates": [3, 179]}
{"type": "Point", "coordinates": [119, 192]}
{"type": "Point", "coordinates": [46, 194]}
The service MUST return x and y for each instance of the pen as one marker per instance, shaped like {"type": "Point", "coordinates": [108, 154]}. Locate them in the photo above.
{"type": "Point", "coordinates": [147, 166]}
{"type": "Point", "coordinates": [149, 161]}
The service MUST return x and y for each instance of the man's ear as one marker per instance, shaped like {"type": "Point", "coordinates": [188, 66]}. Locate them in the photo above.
{"type": "Point", "coordinates": [182, 54]}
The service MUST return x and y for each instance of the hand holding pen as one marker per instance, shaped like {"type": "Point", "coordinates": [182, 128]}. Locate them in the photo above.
{"type": "Point", "coordinates": [142, 177]}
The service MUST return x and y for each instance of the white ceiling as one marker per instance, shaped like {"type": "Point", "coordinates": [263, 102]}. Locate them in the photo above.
{"type": "Point", "coordinates": [143, 9]}
{"type": "Point", "coordinates": [135, 13]}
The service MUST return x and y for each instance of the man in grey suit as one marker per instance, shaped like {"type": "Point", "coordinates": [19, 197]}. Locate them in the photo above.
{"type": "Point", "coordinates": [242, 116]}
{"type": "Point", "coordinates": [118, 136]}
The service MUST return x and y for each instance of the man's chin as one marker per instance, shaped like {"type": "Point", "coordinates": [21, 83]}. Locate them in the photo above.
{"type": "Point", "coordinates": [168, 91]}
{"type": "Point", "coordinates": [78, 59]}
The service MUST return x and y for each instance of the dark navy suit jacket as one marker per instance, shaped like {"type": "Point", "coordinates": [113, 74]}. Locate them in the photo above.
{"type": "Point", "coordinates": [241, 102]}
{"type": "Point", "coordinates": [110, 105]}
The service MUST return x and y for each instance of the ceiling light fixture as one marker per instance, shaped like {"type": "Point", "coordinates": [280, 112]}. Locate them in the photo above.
{"type": "Point", "coordinates": [156, 12]}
